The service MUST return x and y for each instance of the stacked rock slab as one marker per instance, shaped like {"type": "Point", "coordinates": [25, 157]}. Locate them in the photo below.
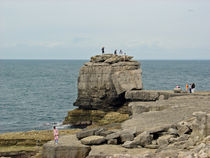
{"type": "Point", "coordinates": [103, 81]}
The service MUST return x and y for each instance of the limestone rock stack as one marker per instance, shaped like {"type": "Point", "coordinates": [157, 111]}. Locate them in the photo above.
{"type": "Point", "coordinates": [103, 81]}
{"type": "Point", "coordinates": [102, 84]}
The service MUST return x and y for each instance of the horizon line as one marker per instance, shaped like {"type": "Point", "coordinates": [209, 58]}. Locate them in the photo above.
{"type": "Point", "coordinates": [89, 59]}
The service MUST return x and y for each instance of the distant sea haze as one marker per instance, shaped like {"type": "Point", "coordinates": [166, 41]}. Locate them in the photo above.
{"type": "Point", "coordinates": [37, 94]}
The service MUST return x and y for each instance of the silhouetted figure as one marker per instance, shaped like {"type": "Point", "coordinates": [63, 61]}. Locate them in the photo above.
{"type": "Point", "coordinates": [193, 88]}
{"type": "Point", "coordinates": [102, 49]}
{"type": "Point", "coordinates": [115, 52]}
{"type": "Point", "coordinates": [121, 52]}
{"type": "Point", "coordinates": [190, 88]}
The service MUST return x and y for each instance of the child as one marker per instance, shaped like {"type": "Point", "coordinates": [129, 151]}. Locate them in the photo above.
{"type": "Point", "coordinates": [55, 132]}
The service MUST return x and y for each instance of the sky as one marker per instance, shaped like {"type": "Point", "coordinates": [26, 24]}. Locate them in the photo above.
{"type": "Point", "coordinates": [77, 29]}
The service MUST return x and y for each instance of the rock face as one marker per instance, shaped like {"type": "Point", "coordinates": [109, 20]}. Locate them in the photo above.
{"type": "Point", "coordinates": [68, 147]}
{"type": "Point", "coordinates": [103, 81]}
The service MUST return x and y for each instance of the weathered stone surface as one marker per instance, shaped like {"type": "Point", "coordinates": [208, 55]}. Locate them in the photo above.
{"type": "Point", "coordinates": [184, 129]}
{"type": "Point", "coordinates": [129, 144]}
{"type": "Point", "coordinates": [199, 125]}
{"type": "Point", "coordinates": [98, 84]}
{"type": "Point", "coordinates": [105, 133]}
{"type": "Point", "coordinates": [122, 80]}
{"type": "Point", "coordinates": [151, 95]}
{"type": "Point", "coordinates": [177, 90]}
{"type": "Point", "coordinates": [113, 136]}
{"type": "Point", "coordinates": [112, 141]}
{"type": "Point", "coordinates": [172, 131]}
{"type": "Point", "coordinates": [143, 95]}
{"type": "Point", "coordinates": [113, 117]}
{"type": "Point", "coordinates": [126, 137]}
{"type": "Point", "coordinates": [179, 108]}
{"type": "Point", "coordinates": [68, 147]}
{"type": "Point", "coordinates": [117, 151]}
{"type": "Point", "coordinates": [163, 141]}
{"type": "Point", "coordinates": [93, 140]}
{"type": "Point", "coordinates": [87, 132]}
{"type": "Point", "coordinates": [143, 139]}
{"type": "Point", "coordinates": [81, 117]}
{"type": "Point", "coordinates": [140, 107]}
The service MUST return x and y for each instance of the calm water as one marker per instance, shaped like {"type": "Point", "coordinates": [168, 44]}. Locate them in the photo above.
{"type": "Point", "coordinates": [36, 94]}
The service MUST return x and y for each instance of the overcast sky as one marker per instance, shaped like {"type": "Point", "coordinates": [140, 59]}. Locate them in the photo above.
{"type": "Point", "coordinates": [77, 29]}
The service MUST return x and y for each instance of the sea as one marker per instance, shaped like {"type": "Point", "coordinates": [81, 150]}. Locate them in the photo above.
{"type": "Point", "coordinates": [37, 94]}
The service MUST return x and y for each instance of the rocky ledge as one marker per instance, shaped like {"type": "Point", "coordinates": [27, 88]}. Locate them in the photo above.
{"type": "Point", "coordinates": [27, 144]}
{"type": "Point", "coordinates": [176, 127]}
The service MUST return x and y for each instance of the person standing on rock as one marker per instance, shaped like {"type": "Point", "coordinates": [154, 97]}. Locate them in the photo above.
{"type": "Point", "coordinates": [55, 132]}
{"type": "Point", "coordinates": [121, 52]}
{"type": "Point", "coordinates": [193, 88]}
{"type": "Point", "coordinates": [187, 87]}
{"type": "Point", "coordinates": [115, 52]}
{"type": "Point", "coordinates": [102, 49]}
{"type": "Point", "coordinates": [190, 88]}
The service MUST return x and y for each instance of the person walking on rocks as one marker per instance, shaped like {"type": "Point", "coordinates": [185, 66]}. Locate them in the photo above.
{"type": "Point", "coordinates": [102, 49]}
{"type": "Point", "coordinates": [121, 52]}
{"type": "Point", "coordinates": [55, 132]}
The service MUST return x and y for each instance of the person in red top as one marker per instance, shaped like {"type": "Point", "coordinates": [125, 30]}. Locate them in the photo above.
{"type": "Point", "coordinates": [55, 132]}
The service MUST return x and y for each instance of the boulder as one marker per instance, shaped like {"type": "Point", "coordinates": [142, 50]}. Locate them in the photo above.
{"type": "Point", "coordinates": [104, 133]}
{"type": "Point", "coordinates": [68, 147]}
{"type": "Point", "coordinates": [113, 136]}
{"type": "Point", "coordinates": [93, 140]}
{"type": "Point", "coordinates": [143, 139]}
{"type": "Point", "coordinates": [163, 141]}
{"type": "Point", "coordinates": [199, 125]}
{"type": "Point", "coordinates": [129, 144]}
{"type": "Point", "coordinates": [126, 137]}
{"type": "Point", "coordinates": [184, 129]}
{"type": "Point", "coordinates": [172, 131]}
{"type": "Point", "coordinates": [87, 132]}
{"type": "Point", "coordinates": [100, 58]}
{"type": "Point", "coordinates": [112, 141]}
{"type": "Point", "coordinates": [177, 90]}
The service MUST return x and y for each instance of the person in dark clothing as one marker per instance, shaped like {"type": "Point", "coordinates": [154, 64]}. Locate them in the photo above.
{"type": "Point", "coordinates": [115, 52]}
{"type": "Point", "coordinates": [102, 49]}
{"type": "Point", "coordinates": [193, 88]}
{"type": "Point", "coordinates": [190, 88]}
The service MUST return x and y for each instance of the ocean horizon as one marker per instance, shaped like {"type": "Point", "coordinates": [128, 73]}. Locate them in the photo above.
{"type": "Point", "coordinates": [36, 94]}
